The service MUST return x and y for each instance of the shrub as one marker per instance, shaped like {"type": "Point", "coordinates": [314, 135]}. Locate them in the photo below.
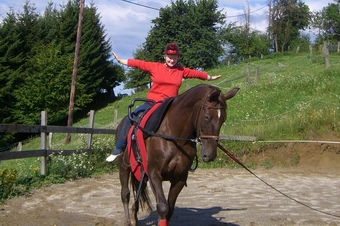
{"type": "Point", "coordinates": [7, 179]}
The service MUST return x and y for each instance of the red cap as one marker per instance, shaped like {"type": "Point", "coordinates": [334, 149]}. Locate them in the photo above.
{"type": "Point", "coordinates": [171, 49]}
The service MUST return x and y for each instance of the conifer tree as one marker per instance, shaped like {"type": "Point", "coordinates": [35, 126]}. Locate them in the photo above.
{"type": "Point", "coordinates": [10, 62]}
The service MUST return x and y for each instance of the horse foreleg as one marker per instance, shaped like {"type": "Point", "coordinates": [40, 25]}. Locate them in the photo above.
{"type": "Point", "coordinates": [175, 189]}
{"type": "Point", "coordinates": [163, 223]}
{"type": "Point", "coordinates": [162, 204]}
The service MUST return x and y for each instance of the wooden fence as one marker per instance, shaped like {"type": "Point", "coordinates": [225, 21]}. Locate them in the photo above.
{"type": "Point", "coordinates": [44, 130]}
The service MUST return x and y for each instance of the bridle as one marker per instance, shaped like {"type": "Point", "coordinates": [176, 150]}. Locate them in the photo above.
{"type": "Point", "coordinates": [202, 136]}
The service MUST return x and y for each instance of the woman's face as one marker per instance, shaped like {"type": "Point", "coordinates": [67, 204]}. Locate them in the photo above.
{"type": "Point", "coordinates": [171, 60]}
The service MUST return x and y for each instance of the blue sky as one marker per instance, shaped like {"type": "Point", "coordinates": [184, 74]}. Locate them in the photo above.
{"type": "Point", "coordinates": [127, 24]}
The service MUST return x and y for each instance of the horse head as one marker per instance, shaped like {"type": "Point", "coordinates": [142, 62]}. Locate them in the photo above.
{"type": "Point", "coordinates": [210, 117]}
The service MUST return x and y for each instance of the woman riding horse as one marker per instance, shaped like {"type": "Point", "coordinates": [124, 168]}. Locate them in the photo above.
{"type": "Point", "coordinates": [195, 115]}
{"type": "Point", "coordinates": [166, 80]}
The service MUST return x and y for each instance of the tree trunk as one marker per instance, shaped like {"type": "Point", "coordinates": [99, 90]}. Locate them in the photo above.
{"type": "Point", "coordinates": [276, 45]}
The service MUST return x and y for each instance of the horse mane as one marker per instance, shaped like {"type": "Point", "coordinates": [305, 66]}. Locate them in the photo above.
{"type": "Point", "coordinates": [197, 93]}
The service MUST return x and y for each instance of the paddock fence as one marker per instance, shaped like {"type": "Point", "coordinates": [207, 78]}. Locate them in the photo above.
{"type": "Point", "coordinates": [46, 131]}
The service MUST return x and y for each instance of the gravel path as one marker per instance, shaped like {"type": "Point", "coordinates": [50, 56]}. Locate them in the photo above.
{"type": "Point", "coordinates": [213, 197]}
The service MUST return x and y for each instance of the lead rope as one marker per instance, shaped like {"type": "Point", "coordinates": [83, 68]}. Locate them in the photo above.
{"type": "Point", "coordinates": [140, 185]}
{"type": "Point", "coordinates": [237, 161]}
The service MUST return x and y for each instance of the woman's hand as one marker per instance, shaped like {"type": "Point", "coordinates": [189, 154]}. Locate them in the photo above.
{"type": "Point", "coordinates": [213, 77]}
{"type": "Point", "coordinates": [118, 59]}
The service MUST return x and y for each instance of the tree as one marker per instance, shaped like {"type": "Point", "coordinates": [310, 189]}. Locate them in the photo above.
{"type": "Point", "coordinates": [48, 25]}
{"type": "Point", "coordinates": [10, 65]}
{"type": "Point", "coordinates": [331, 15]}
{"type": "Point", "coordinates": [18, 34]}
{"type": "Point", "coordinates": [50, 80]}
{"type": "Point", "coordinates": [50, 64]}
{"type": "Point", "coordinates": [327, 23]}
{"type": "Point", "coordinates": [38, 51]}
{"type": "Point", "coordinates": [36, 61]}
{"type": "Point", "coordinates": [287, 18]}
{"type": "Point", "coordinates": [194, 26]}
{"type": "Point", "coordinates": [243, 41]}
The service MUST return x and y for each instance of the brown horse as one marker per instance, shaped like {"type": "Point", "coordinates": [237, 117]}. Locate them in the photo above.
{"type": "Point", "coordinates": [196, 114]}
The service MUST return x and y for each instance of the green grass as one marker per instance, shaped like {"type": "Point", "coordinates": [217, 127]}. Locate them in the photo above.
{"type": "Point", "coordinates": [295, 97]}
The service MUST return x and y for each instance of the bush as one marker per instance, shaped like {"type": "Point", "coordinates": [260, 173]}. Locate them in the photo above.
{"type": "Point", "coordinates": [71, 167]}
{"type": "Point", "coordinates": [7, 180]}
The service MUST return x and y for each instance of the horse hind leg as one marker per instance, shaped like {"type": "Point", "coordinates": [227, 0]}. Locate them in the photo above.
{"type": "Point", "coordinates": [134, 210]}
{"type": "Point", "coordinates": [141, 198]}
{"type": "Point", "coordinates": [124, 174]}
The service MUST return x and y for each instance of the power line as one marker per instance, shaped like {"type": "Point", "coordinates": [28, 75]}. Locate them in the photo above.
{"type": "Point", "coordinates": [246, 13]}
{"type": "Point", "coordinates": [149, 7]}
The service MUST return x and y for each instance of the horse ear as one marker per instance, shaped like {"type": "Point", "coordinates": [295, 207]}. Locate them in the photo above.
{"type": "Point", "coordinates": [230, 94]}
{"type": "Point", "coordinates": [215, 94]}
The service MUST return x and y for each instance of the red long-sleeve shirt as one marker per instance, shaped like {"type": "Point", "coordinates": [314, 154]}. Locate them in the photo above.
{"type": "Point", "coordinates": [165, 81]}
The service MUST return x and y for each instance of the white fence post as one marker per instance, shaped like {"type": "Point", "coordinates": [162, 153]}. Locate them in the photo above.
{"type": "Point", "coordinates": [89, 136]}
{"type": "Point", "coordinates": [43, 143]}
{"type": "Point", "coordinates": [19, 146]}
{"type": "Point", "coordinates": [50, 137]}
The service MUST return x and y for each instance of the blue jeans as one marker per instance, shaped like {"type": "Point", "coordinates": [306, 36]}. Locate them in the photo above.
{"type": "Point", "coordinates": [122, 142]}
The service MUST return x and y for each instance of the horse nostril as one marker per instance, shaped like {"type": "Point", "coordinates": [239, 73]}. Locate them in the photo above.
{"type": "Point", "coordinates": [206, 158]}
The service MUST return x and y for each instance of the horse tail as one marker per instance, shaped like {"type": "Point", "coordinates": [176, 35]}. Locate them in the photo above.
{"type": "Point", "coordinates": [142, 192]}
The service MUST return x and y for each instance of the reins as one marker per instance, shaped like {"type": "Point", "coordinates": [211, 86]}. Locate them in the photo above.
{"type": "Point", "coordinates": [198, 137]}
{"type": "Point", "coordinates": [237, 161]}
{"type": "Point", "coordinates": [166, 137]}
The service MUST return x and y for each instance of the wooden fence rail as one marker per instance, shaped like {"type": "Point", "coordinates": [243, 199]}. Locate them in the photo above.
{"type": "Point", "coordinates": [44, 130]}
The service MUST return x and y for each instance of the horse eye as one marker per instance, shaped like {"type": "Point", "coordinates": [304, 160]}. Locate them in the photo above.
{"type": "Point", "coordinates": [207, 118]}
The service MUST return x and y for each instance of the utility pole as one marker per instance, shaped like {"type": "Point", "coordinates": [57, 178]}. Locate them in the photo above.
{"type": "Point", "coordinates": [75, 71]}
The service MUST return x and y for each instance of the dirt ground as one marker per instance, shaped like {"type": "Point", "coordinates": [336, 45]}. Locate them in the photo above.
{"type": "Point", "coordinates": [307, 194]}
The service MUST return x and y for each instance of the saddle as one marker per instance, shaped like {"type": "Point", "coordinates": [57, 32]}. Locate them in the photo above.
{"type": "Point", "coordinates": [143, 127]}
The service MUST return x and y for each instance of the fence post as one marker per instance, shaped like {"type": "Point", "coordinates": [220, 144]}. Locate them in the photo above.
{"type": "Point", "coordinates": [115, 117]}
{"type": "Point", "coordinates": [50, 137]}
{"type": "Point", "coordinates": [326, 54]}
{"type": "Point", "coordinates": [248, 74]}
{"type": "Point", "coordinates": [19, 146]}
{"type": "Point", "coordinates": [43, 144]}
{"type": "Point", "coordinates": [256, 75]}
{"type": "Point", "coordinates": [89, 136]}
